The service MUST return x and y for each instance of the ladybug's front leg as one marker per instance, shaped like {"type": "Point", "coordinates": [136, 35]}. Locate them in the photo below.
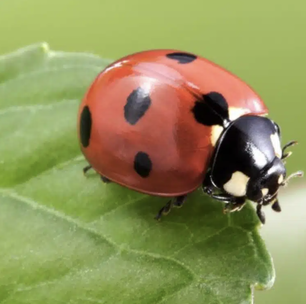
{"type": "Point", "coordinates": [176, 202]}
{"type": "Point", "coordinates": [260, 214]}
{"type": "Point", "coordinates": [235, 205]}
{"type": "Point", "coordinates": [209, 188]}
{"type": "Point", "coordinates": [232, 203]}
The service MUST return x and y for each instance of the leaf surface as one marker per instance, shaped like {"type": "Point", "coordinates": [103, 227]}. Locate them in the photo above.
{"type": "Point", "coordinates": [71, 239]}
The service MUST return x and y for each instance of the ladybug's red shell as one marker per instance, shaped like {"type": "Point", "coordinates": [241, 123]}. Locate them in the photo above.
{"type": "Point", "coordinates": [137, 124]}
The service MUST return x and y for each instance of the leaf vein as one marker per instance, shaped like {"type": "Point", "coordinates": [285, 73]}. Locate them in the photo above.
{"type": "Point", "coordinates": [36, 107]}
{"type": "Point", "coordinates": [46, 70]}
{"type": "Point", "coordinates": [34, 205]}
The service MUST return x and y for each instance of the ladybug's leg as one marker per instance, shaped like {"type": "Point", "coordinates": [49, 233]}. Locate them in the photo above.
{"type": "Point", "coordinates": [179, 201]}
{"type": "Point", "coordinates": [235, 205]}
{"type": "Point", "coordinates": [226, 198]}
{"type": "Point", "coordinates": [232, 203]}
{"type": "Point", "coordinates": [176, 202]}
{"type": "Point", "coordinates": [209, 188]}
{"type": "Point", "coordinates": [276, 207]}
{"type": "Point", "coordinates": [260, 214]}
{"type": "Point", "coordinates": [85, 169]}
{"type": "Point", "coordinates": [105, 179]}
{"type": "Point", "coordinates": [164, 210]}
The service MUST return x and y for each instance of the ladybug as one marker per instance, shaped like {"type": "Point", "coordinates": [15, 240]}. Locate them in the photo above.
{"type": "Point", "coordinates": [165, 122]}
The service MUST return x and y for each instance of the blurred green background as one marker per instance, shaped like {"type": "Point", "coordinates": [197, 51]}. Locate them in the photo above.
{"type": "Point", "coordinates": [261, 41]}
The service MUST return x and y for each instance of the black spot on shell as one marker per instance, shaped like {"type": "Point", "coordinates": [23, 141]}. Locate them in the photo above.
{"type": "Point", "coordinates": [85, 126]}
{"type": "Point", "coordinates": [142, 164]}
{"type": "Point", "coordinates": [211, 110]}
{"type": "Point", "coordinates": [182, 57]}
{"type": "Point", "coordinates": [137, 104]}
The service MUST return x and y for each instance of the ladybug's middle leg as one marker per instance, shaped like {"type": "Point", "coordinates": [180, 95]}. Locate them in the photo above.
{"type": "Point", "coordinates": [209, 189]}
{"type": "Point", "coordinates": [176, 202]}
{"type": "Point", "coordinates": [232, 203]}
{"type": "Point", "coordinates": [103, 178]}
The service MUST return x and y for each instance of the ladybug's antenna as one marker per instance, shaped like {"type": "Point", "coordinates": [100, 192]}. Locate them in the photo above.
{"type": "Point", "coordinates": [287, 145]}
{"type": "Point", "coordinates": [295, 174]}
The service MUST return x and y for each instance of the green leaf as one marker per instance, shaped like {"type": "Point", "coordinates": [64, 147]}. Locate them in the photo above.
{"type": "Point", "coordinates": [71, 239]}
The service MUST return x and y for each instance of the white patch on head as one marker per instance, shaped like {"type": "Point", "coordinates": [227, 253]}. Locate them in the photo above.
{"type": "Point", "coordinates": [264, 191]}
{"type": "Point", "coordinates": [237, 185]}
{"type": "Point", "coordinates": [234, 113]}
{"type": "Point", "coordinates": [276, 145]}
{"type": "Point", "coordinates": [215, 134]}
{"type": "Point", "coordinates": [280, 179]}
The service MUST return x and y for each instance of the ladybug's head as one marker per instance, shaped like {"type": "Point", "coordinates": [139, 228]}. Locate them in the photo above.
{"type": "Point", "coordinates": [263, 188]}
{"type": "Point", "coordinates": [249, 161]}
{"type": "Point", "coordinates": [266, 180]}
